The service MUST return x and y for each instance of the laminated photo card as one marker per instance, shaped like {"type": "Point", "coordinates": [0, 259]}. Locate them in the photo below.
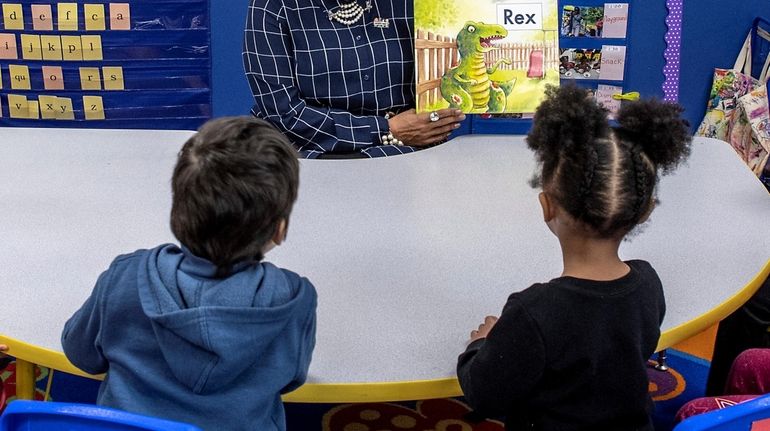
{"type": "Point", "coordinates": [608, 21]}
{"type": "Point", "coordinates": [607, 63]}
{"type": "Point", "coordinates": [576, 63]}
{"type": "Point", "coordinates": [582, 21]}
{"type": "Point", "coordinates": [485, 56]}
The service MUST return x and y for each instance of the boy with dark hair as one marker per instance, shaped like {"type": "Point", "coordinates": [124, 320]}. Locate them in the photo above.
{"type": "Point", "coordinates": [207, 333]}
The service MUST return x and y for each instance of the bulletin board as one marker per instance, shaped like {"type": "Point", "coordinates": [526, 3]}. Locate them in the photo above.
{"type": "Point", "coordinates": [673, 47]}
{"type": "Point", "coordinates": [712, 32]}
{"type": "Point", "coordinates": [593, 49]}
{"type": "Point", "coordinates": [595, 52]}
{"type": "Point", "coordinates": [128, 64]}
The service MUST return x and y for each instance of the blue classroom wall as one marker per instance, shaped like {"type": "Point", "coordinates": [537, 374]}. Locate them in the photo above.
{"type": "Point", "coordinates": [713, 33]}
{"type": "Point", "coordinates": [230, 93]}
{"type": "Point", "coordinates": [645, 44]}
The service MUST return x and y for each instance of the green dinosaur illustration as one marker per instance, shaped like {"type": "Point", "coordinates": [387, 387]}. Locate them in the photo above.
{"type": "Point", "coordinates": [468, 86]}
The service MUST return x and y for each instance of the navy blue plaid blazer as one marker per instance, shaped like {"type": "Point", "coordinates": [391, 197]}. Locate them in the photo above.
{"type": "Point", "coordinates": [327, 85]}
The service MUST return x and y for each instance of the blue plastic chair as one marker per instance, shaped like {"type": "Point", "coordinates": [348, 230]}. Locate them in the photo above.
{"type": "Point", "coordinates": [739, 417]}
{"type": "Point", "coordinates": [39, 416]}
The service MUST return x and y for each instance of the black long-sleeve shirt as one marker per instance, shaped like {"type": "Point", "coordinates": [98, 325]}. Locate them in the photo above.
{"type": "Point", "coordinates": [569, 354]}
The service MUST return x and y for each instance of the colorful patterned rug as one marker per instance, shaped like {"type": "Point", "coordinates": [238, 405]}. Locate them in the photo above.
{"type": "Point", "coordinates": [684, 380]}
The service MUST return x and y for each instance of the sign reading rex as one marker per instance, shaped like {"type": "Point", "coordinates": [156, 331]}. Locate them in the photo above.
{"type": "Point", "coordinates": [520, 16]}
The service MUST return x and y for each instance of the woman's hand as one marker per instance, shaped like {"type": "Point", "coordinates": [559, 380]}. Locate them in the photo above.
{"type": "Point", "coordinates": [484, 328]}
{"type": "Point", "coordinates": [418, 130]}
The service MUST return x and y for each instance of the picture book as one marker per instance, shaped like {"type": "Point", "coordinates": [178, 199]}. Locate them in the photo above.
{"type": "Point", "coordinates": [485, 56]}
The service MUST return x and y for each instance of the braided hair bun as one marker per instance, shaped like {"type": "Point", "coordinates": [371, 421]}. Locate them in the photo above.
{"type": "Point", "coordinates": [568, 117]}
{"type": "Point", "coordinates": [657, 127]}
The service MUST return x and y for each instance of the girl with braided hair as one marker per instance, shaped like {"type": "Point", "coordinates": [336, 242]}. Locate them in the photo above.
{"type": "Point", "coordinates": [571, 353]}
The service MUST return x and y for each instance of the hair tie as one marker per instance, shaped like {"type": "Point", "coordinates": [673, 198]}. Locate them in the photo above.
{"type": "Point", "coordinates": [634, 95]}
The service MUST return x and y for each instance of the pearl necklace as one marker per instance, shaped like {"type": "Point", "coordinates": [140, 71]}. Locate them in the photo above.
{"type": "Point", "coordinates": [349, 13]}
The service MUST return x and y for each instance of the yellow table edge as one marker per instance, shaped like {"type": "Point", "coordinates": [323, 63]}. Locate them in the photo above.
{"type": "Point", "coordinates": [686, 330]}
{"type": "Point", "coordinates": [406, 390]}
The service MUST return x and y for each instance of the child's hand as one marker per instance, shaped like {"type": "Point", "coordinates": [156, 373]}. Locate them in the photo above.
{"type": "Point", "coordinates": [484, 328]}
{"type": "Point", "coordinates": [3, 349]}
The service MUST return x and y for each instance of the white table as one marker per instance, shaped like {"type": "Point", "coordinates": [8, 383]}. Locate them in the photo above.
{"type": "Point", "coordinates": [407, 253]}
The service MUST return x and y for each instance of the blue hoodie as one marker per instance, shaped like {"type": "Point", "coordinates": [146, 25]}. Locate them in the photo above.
{"type": "Point", "coordinates": [178, 343]}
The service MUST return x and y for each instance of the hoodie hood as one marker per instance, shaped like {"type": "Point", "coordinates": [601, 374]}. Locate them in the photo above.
{"type": "Point", "coordinates": [210, 330]}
